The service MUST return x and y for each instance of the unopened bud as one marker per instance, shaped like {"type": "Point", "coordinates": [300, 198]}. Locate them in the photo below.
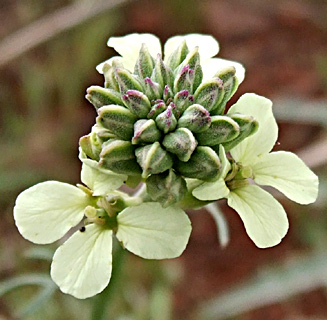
{"type": "Point", "coordinates": [118, 120]}
{"type": "Point", "coordinates": [100, 97]}
{"type": "Point", "coordinates": [152, 89]}
{"type": "Point", "coordinates": [118, 156]}
{"type": "Point", "coordinates": [196, 118]}
{"type": "Point", "coordinates": [204, 164]}
{"type": "Point", "coordinates": [183, 100]}
{"type": "Point", "coordinates": [145, 63]}
{"type": "Point", "coordinates": [167, 93]}
{"type": "Point", "coordinates": [209, 94]}
{"type": "Point", "coordinates": [90, 145]}
{"type": "Point", "coordinates": [110, 81]}
{"type": "Point", "coordinates": [158, 108]}
{"type": "Point", "coordinates": [162, 73]}
{"type": "Point", "coordinates": [127, 81]}
{"type": "Point", "coordinates": [145, 131]}
{"type": "Point", "coordinates": [180, 142]}
{"type": "Point", "coordinates": [177, 56]}
{"type": "Point", "coordinates": [137, 102]}
{"type": "Point", "coordinates": [153, 159]}
{"type": "Point", "coordinates": [248, 126]}
{"type": "Point", "coordinates": [184, 79]}
{"type": "Point", "coordinates": [166, 121]}
{"type": "Point", "coordinates": [166, 188]}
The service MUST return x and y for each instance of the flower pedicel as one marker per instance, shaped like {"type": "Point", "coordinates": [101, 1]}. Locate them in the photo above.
{"type": "Point", "coordinates": [162, 124]}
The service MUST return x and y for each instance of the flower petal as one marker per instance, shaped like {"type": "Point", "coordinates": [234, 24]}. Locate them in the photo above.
{"type": "Point", "coordinates": [263, 216]}
{"type": "Point", "coordinates": [211, 190]}
{"type": "Point", "coordinates": [99, 67]}
{"type": "Point", "coordinates": [129, 47]}
{"type": "Point", "coordinates": [82, 265]}
{"type": "Point", "coordinates": [46, 211]}
{"type": "Point", "coordinates": [101, 181]}
{"type": "Point", "coordinates": [286, 172]}
{"type": "Point", "coordinates": [208, 45]}
{"type": "Point", "coordinates": [264, 139]}
{"type": "Point", "coordinates": [212, 66]}
{"type": "Point", "coordinates": [153, 232]}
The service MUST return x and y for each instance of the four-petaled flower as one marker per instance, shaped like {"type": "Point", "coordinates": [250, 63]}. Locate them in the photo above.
{"type": "Point", "coordinates": [264, 218]}
{"type": "Point", "coordinates": [82, 265]}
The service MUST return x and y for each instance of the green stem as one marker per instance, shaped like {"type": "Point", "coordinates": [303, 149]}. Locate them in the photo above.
{"type": "Point", "coordinates": [102, 302]}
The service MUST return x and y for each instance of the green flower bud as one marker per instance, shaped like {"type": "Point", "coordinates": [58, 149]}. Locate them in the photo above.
{"type": "Point", "coordinates": [145, 63]}
{"type": "Point", "coordinates": [204, 164]}
{"type": "Point", "coordinates": [118, 156]}
{"type": "Point", "coordinates": [230, 84]}
{"type": "Point", "coordinates": [153, 159]}
{"type": "Point", "coordinates": [118, 120]}
{"type": "Point", "coordinates": [166, 121]}
{"type": "Point", "coordinates": [167, 93]}
{"type": "Point", "coordinates": [152, 89]}
{"type": "Point", "coordinates": [166, 188]}
{"type": "Point", "coordinates": [103, 134]}
{"type": "Point", "coordinates": [145, 131]}
{"type": "Point", "coordinates": [158, 108]}
{"type": "Point", "coordinates": [193, 60]}
{"type": "Point", "coordinates": [137, 102]}
{"type": "Point", "coordinates": [100, 97]}
{"type": "Point", "coordinates": [91, 146]}
{"type": "Point", "coordinates": [196, 118]}
{"type": "Point", "coordinates": [183, 100]}
{"type": "Point", "coordinates": [110, 81]}
{"type": "Point", "coordinates": [127, 81]}
{"type": "Point", "coordinates": [181, 142]}
{"type": "Point", "coordinates": [184, 79]}
{"type": "Point", "coordinates": [222, 129]}
{"type": "Point", "coordinates": [248, 126]}
{"type": "Point", "coordinates": [210, 94]}
{"type": "Point", "coordinates": [177, 57]}
{"type": "Point", "coordinates": [162, 73]}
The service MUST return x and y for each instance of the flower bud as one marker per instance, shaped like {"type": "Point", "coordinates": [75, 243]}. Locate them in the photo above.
{"type": "Point", "coordinates": [177, 57]}
{"type": "Point", "coordinates": [127, 81]}
{"type": "Point", "coordinates": [153, 159]}
{"type": "Point", "coordinates": [193, 60]}
{"type": "Point", "coordinates": [110, 81]}
{"type": "Point", "coordinates": [222, 129]}
{"type": "Point", "coordinates": [145, 131]}
{"type": "Point", "coordinates": [180, 142]}
{"type": "Point", "coordinates": [248, 126]}
{"type": "Point", "coordinates": [183, 100]}
{"type": "Point", "coordinates": [162, 73]}
{"type": "Point", "coordinates": [137, 102]}
{"type": "Point", "coordinates": [167, 93]}
{"type": "Point", "coordinates": [230, 84]}
{"type": "Point", "coordinates": [166, 188]}
{"type": "Point", "coordinates": [166, 121]}
{"type": "Point", "coordinates": [204, 164]}
{"type": "Point", "coordinates": [209, 94]}
{"type": "Point", "coordinates": [145, 63]}
{"type": "Point", "coordinates": [91, 146]}
{"type": "Point", "coordinates": [158, 108]}
{"type": "Point", "coordinates": [184, 79]}
{"type": "Point", "coordinates": [152, 89]}
{"type": "Point", "coordinates": [118, 120]}
{"type": "Point", "coordinates": [118, 156]}
{"type": "Point", "coordinates": [196, 118]}
{"type": "Point", "coordinates": [100, 97]}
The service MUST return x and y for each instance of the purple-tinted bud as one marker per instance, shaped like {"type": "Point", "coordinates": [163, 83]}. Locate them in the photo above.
{"type": "Point", "coordinates": [183, 100]}
{"type": "Point", "coordinates": [137, 102]}
{"type": "Point", "coordinates": [162, 73]}
{"type": "Point", "coordinates": [152, 89]}
{"type": "Point", "coordinates": [158, 108]}
{"type": "Point", "coordinates": [166, 121]}
{"type": "Point", "coordinates": [145, 131]}
{"type": "Point", "coordinates": [145, 63]}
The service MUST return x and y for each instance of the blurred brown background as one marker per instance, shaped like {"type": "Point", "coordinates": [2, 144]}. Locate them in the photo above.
{"type": "Point", "coordinates": [48, 54]}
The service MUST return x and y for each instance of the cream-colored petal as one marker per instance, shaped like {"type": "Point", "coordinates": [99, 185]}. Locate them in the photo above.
{"type": "Point", "coordinates": [153, 232]}
{"type": "Point", "coordinates": [129, 47]}
{"type": "Point", "coordinates": [211, 66]}
{"type": "Point", "coordinates": [264, 139]}
{"type": "Point", "coordinates": [81, 267]}
{"type": "Point", "coordinates": [211, 190]}
{"type": "Point", "coordinates": [99, 67]}
{"type": "Point", "coordinates": [263, 216]}
{"type": "Point", "coordinates": [286, 172]}
{"type": "Point", "coordinates": [208, 45]}
{"type": "Point", "coordinates": [101, 181]}
{"type": "Point", "coordinates": [46, 211]}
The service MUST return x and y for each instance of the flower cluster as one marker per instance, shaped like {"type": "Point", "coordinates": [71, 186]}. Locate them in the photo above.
{"type": "Point", "coordinates": [162, 125]}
